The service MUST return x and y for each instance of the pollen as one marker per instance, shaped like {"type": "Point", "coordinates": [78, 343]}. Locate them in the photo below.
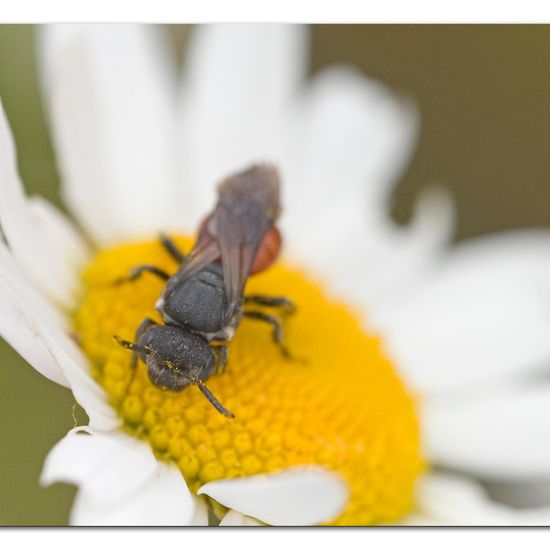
{"type": "Point", "coordinates": [337, 401]}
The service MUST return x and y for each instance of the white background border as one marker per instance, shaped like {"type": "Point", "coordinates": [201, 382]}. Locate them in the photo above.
{"type": "Point", "coordinates": [316, 11]}
{"type": "Point", "coordinates": [310, 11]}
{"type": "Point", "coordinates": [255, 538]}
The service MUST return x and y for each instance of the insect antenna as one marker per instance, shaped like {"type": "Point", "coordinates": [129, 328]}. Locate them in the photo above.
{"type": "Point", "coordinates": [210, 396]}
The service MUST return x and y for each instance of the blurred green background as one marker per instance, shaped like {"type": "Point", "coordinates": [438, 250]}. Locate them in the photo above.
{"type": "Point", "coordinates": [483, 92]}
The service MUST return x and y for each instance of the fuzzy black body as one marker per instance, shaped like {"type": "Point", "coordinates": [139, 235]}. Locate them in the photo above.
{"type": "Point", "coordinates": [197, 303]}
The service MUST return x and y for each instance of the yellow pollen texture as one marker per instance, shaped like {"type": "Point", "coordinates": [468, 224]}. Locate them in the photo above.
{"type": "Point", "coordinates": [338, 403]}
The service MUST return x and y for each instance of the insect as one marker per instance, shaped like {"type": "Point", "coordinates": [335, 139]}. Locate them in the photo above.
{"type": "Point", "coordinates": [203, 303]}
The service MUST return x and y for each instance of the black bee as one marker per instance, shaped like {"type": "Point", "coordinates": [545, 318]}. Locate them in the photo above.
{"type": "Point", "coordinates": [203, 302]}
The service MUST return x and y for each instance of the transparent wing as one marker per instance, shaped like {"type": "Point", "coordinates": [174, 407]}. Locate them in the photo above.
{"type": "Point", "coordinates": [238, 241]}
{"type": "Point", "coordinates": [205, 251]}
{"type": "Point", "coordinates": [248, 205]}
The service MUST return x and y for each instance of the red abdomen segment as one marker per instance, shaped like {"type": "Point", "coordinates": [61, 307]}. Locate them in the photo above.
{"type": "Point", "coordinates": [268, 251]}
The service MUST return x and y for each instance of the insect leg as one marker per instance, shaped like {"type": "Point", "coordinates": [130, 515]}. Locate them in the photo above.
{"type": "Point", "coordinates": [143, 326]}
{"type": "Point", "coordinates": [277, 328]}
{"type": "Point", "coordinates": [137, 271]}
{"type": "Point", "coordinates": [221, 358]}
{"type": "Point", "coordinates": [136, 348]}
{"type": "Point", "coordinates": [171, 247]}
{"type": "Point", "coordinates": [271, 301]}
{"type": "Point", "coordinates": [131, 345]}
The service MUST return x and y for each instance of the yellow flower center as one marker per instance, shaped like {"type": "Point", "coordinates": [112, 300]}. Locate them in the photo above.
{"type": "Point", "coordinates": [341, 405]}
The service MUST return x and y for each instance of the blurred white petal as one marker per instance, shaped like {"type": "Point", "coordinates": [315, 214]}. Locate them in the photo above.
{"type": "Point", "coordinates": [296, 496]}
{"type": "Point", "coordinates": [482, 317]}
{"type": "Point", "coordinates": [236, 519]}
{"type": "Point", "coordinates": [44, 243]}
{"type": "Point", "coordinates": [112, 104]}
{"type": "Point", "coordinates": [496, 432]}
{"type": "Point", "coordinates": [239, 80]}
{"type": "Point", "coordinates": [444, 499]}
{"type": "Point", "coordinates": [352, 139]}
{"type": "Point", "coordinates": [421, 520]}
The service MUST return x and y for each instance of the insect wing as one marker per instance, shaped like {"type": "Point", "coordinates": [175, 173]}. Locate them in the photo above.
{"type": "Point", "coordinates": [238, 240]}
{"type": "Point", "coordinates": [248, 205]}
{"type": "Point", "coordinates": [205, 251]}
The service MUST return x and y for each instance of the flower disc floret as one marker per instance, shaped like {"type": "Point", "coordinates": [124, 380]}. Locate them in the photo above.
{"type": "Point", "coordinates": [339, 403]}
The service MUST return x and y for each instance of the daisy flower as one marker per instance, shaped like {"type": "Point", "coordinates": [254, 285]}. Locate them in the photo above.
{"type": "Point", "coordinates": [424, 360]}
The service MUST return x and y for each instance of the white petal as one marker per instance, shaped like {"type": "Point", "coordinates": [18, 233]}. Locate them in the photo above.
{"type": "Point", "coordinates": [421, 520]}
{"type": "Point", "coordinates": [483, 317]}
{"type": "Point", "coordinates": [18, 320]}
{"type": "Point", "coordinates": [453, 500]}
{"type": "Point", "coordinates": [116, 491]}
{"type": "Point", "coordinates": [107, 467]}
{"type": "Point", "coordinates": [496, 433]}
{"type": "Point", "coordinates": [164, 501]}
{"type": "Point", "coordinates": [200, 518]}
{"type": "Point", "coordinates": [44, 243]}
{"type": "Point", "coordinates": [38, 332]}
{"type": "Point", "coordinates": [353, 138]}
{"type": "Point", "coordinates": [89, 395]}
{"type": "Point", "coordinates": [239, 80]}
{"type": "Point", "coordinates": [27, 320]}
{"type": "Point", "coordinates": [120, 481]}
{"type": "Point", "coordinates": [112, 105]}
{"type": "Point", "coordinates": [297, 496]}
{"type": "Point", "coordinates": [236, 519]}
